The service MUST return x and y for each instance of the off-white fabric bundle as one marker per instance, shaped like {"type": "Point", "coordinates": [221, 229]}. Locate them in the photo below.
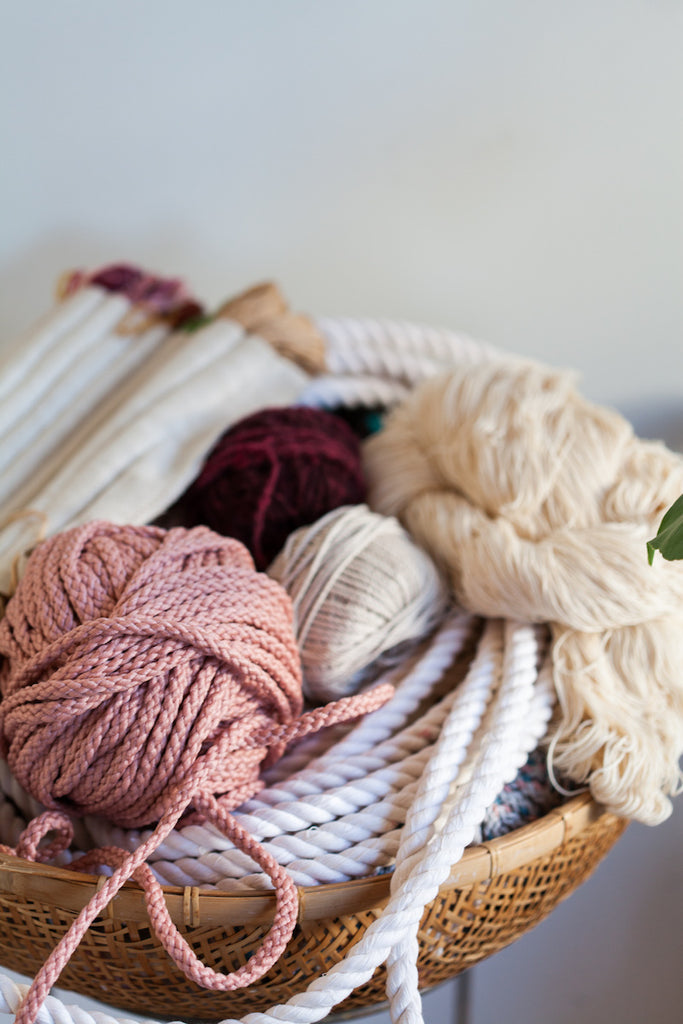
{"type": "Point", "coordinates": [538, 504]}
{"type": "Point", "coordinates": [56, 374]}
{"type": "Point", "coordinates": [131, 456]}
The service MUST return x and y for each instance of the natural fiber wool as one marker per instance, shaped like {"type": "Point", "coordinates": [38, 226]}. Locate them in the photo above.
{"type": "Point", "coordinates": [273, 472]}
{"type": "Point", "coordinates": [538, 504]}
{"type": "Point", "coordinates": [363, 594]}
{"type": "Point", "coordinates": [145, 672]}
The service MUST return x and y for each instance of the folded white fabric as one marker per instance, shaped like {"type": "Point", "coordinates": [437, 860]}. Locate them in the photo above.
{"type": "Point", "coordinates": [127, 455]}
{"type": "Point", "coordinates": [57, 376]}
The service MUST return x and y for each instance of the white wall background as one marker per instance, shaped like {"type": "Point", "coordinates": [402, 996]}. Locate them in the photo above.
{"type": "Point", "coordinates": [509, 167]}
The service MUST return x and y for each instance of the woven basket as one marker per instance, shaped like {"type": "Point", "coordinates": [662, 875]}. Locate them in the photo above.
{"type": "Point", "coordinates": [495, 893]}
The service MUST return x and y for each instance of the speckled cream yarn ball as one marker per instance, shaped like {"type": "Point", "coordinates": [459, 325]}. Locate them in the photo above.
{"type": "Point", "coordinates": [363, 594]}
{"type": "Point", "coordinates": [538, 504]}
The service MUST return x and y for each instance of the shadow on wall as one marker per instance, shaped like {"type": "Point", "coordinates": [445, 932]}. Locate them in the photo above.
{"type": "Point", "coordinates": [662, 421]}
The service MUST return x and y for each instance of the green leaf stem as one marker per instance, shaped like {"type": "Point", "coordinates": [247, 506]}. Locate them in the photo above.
{"type": "Point", "coordinates": [669, 539]}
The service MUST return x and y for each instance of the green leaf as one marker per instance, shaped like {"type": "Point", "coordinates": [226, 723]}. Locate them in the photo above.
{"type": "Point", "coordinates": [669, 539]}
{"type": "Point", "coordinates": [195, 322]}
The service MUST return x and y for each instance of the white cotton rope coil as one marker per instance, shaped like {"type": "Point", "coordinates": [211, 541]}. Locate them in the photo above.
{"type": "Point", "coordinates": [363, 594]}
{"type": "Point", "coordinates": [414, 682]}
{"type": "Point", "coordinates": [377, 362]}
{"type": "Point", "coordinates": [392, 350]}
{"type": "Point", "coordinates": [354, 803]}
{"type": "Point", "coordinates": [355, 821]}
{"type": "Point", "coordinates": [357, 825]}
{"type": "Point", "coordinates": [499, 692]}
{"type": "Point", "coordinates": [539, 503]}
{"type": "Point", "coordinates": [349, 793]}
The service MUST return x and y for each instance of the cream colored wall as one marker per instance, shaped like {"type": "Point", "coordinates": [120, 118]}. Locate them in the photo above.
{"type": "Point", "coordinates": [508, 167]}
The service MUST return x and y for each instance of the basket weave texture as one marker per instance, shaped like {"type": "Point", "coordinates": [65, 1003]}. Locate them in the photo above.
{"type": "Point", "coordinates": [495, 893]}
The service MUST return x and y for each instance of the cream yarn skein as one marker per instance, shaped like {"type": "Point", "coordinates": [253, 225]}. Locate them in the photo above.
{"type": "Point", "coordinates": [538, 505]}
{"type": "Point", "coordinates": [362, 592]}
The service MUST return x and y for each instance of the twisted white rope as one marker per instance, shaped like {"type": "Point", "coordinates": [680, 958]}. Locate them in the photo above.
{"type": "Point", "coordinates": [352, 841]}
{"type": "Point", "coordinates": [331, 392]}
{"type": "Point", "coordinates": [506, 670]}
{"type": "Point", "coordinates": [504, 737]}
{"type": "Point", "coordinates": [445, 838]}
{"type": "Point", "coordinates": [376, 362]}
{"type": "Point", "coordinates": [395, 351]}
{"type": "Point", "coordinates": [355, 843]}
{"type": "Point", "coordinates": [380, 739]}
{"type": "Point", "coordinates": [353, 813]}
{"type": "Point", "coordinates": [413, 683]}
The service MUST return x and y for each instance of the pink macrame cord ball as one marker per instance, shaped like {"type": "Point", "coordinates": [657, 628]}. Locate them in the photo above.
{"type": "Point", "coordinates": [145, 673]}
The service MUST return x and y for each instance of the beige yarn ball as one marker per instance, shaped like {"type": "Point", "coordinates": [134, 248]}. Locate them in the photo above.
{"type": "Point", "coordinates": [538, 505]}
{"type": "Point", "coordinates": [363, 595]}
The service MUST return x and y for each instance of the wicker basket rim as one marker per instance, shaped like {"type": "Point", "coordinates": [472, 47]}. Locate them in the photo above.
{"type": "Point", "coordinates": [190, 906]}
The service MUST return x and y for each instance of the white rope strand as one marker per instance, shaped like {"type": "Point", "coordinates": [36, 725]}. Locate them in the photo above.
{"type": "Point", "coordinates": [329, 392]}
{"type": "Point", "coordinates": [500, 755]}
{"type": "Point", "coordinates": [394, 350]}
{"type": "Point", "coordinates": [412, 686]}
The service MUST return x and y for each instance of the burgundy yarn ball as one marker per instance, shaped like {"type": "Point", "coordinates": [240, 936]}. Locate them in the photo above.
{"type": "Point", "coordinates": [273, 472]}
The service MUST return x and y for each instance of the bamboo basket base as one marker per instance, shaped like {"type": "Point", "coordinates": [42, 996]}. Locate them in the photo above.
{"type": "Point", "coordinates": [121, 962]}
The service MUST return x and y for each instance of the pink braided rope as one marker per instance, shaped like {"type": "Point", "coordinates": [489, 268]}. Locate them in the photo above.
{"type": "Point", "coordinates": [147, 672]}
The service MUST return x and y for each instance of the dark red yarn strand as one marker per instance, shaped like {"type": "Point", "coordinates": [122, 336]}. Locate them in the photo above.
{"type": "Point", "coordinates": [273, 472]}
{"type": "Point", "coordinates": [166, 297]}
